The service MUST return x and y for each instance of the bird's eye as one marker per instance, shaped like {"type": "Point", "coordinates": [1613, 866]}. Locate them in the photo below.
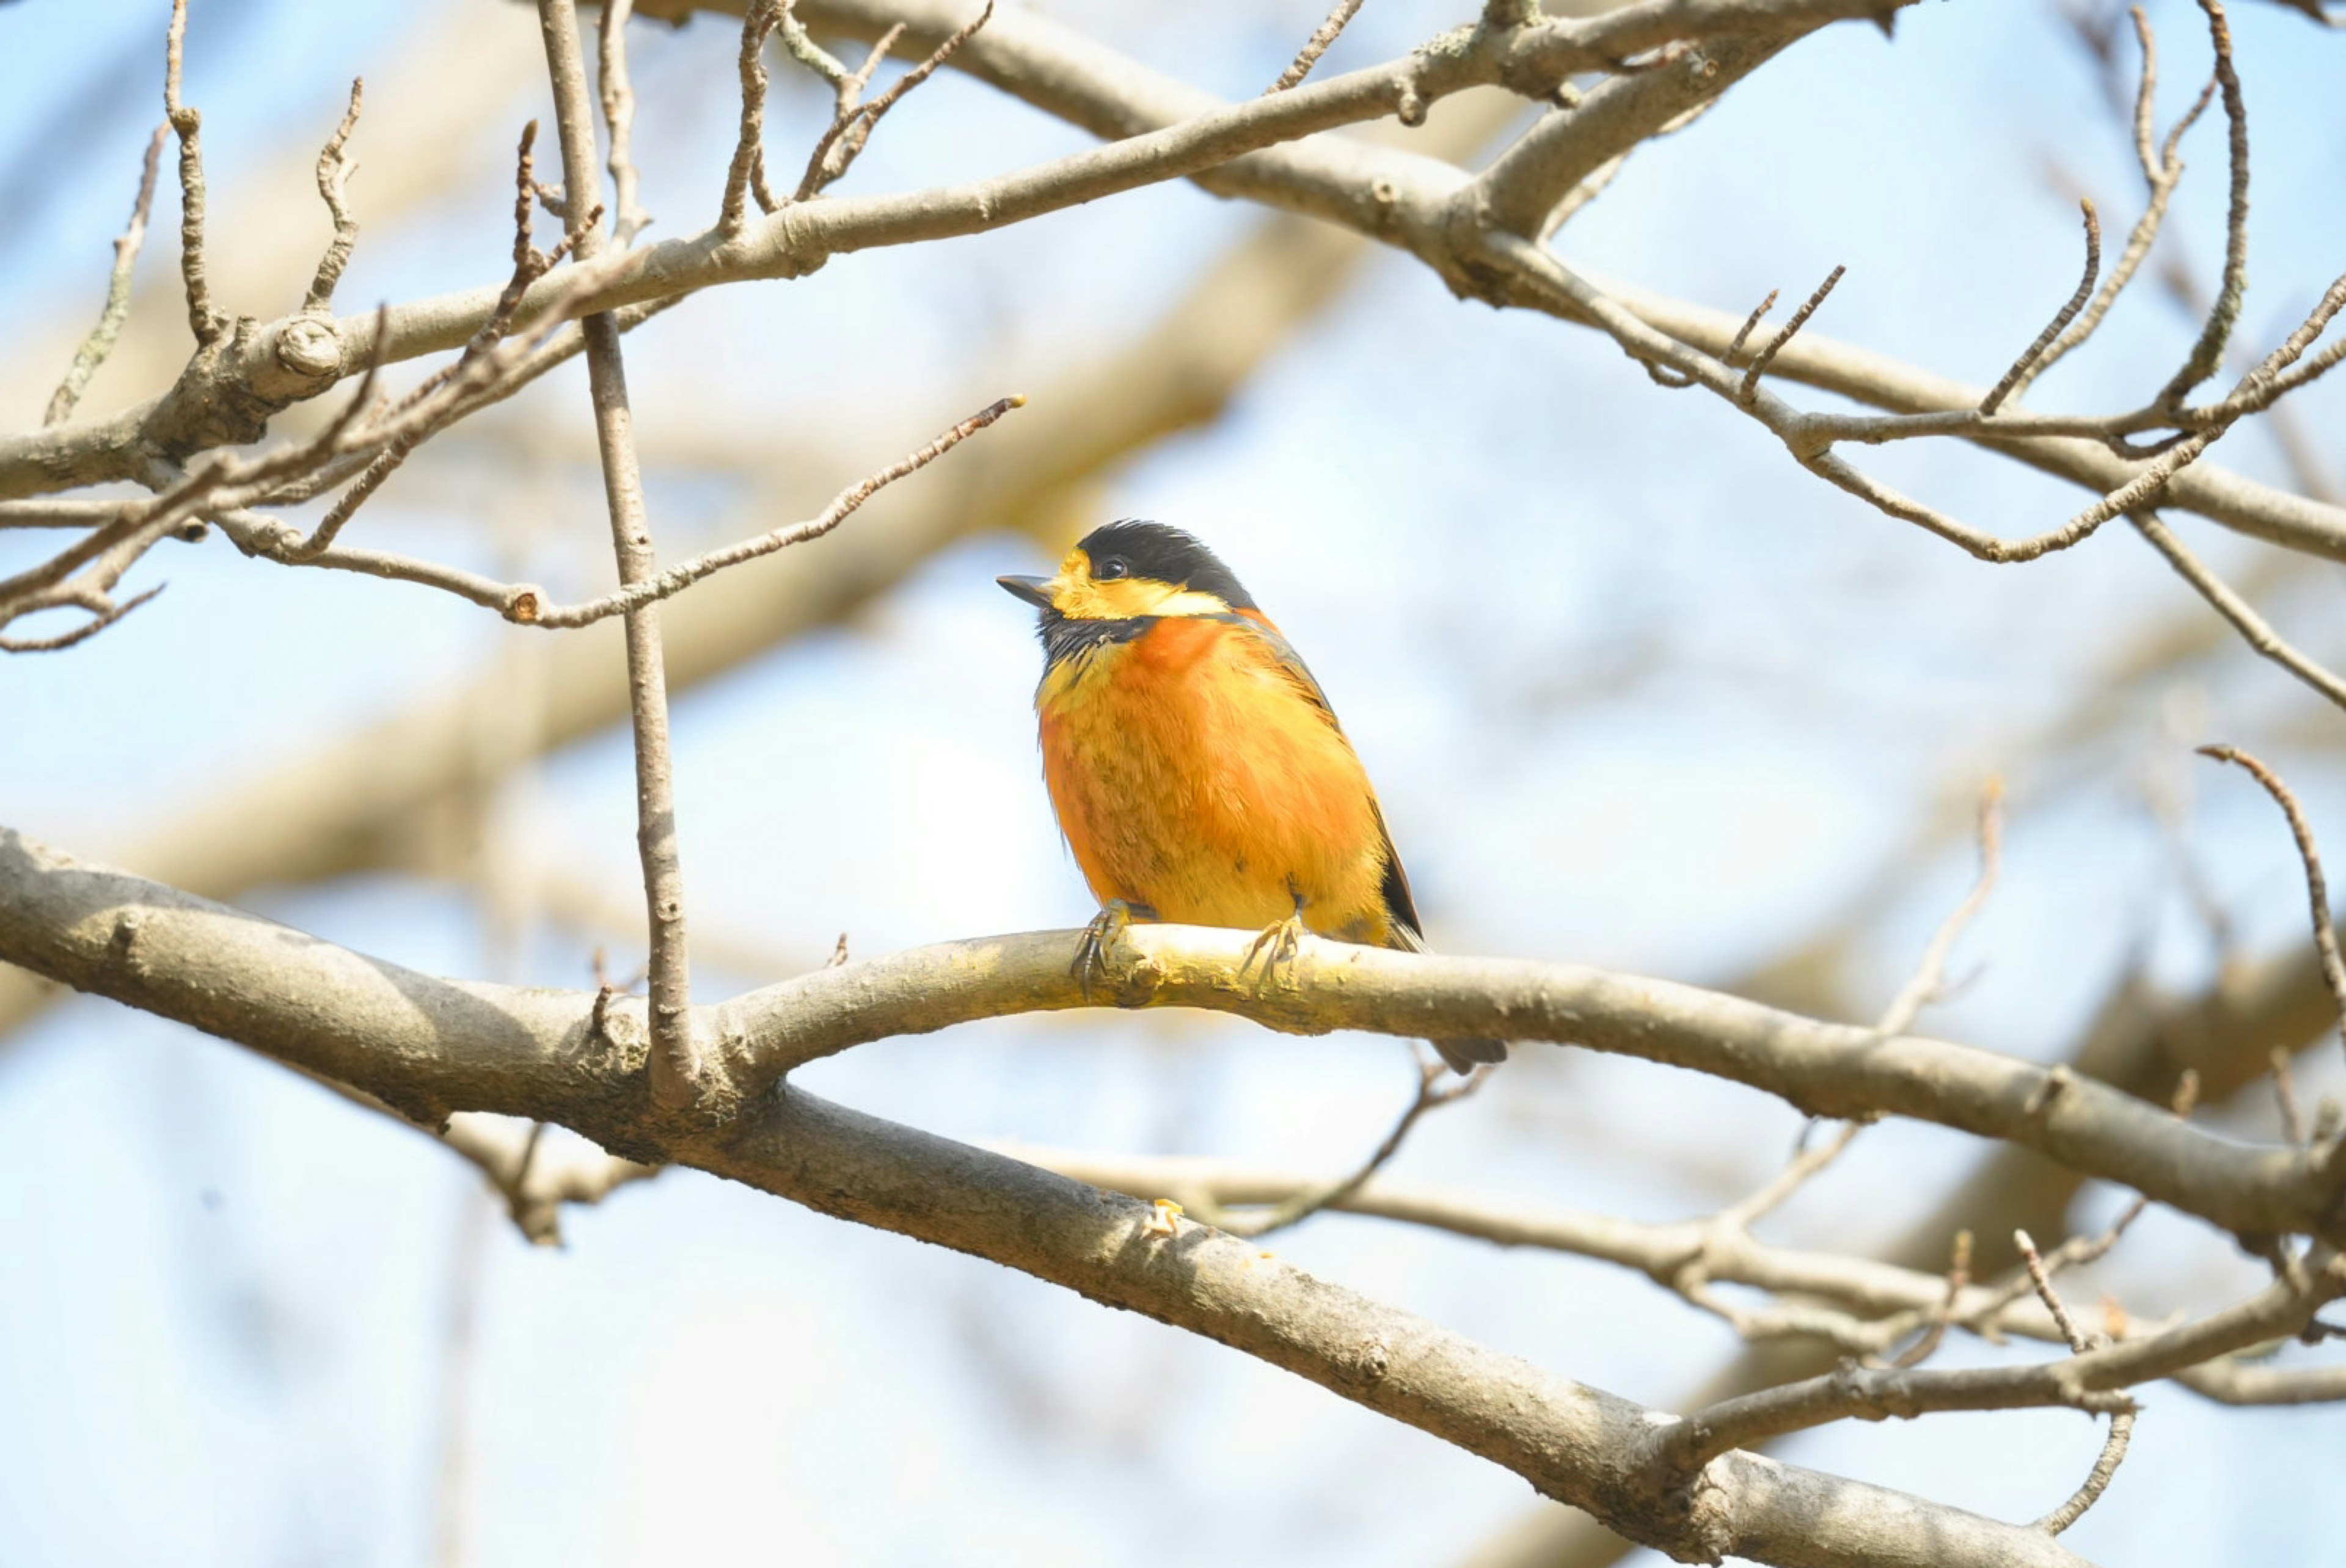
{"type": "Point", "coordinates": [1111, 568]}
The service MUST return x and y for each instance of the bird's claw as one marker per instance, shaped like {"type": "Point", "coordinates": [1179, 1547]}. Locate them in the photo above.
{"type": "Point", "coordinates": [1275, 945]}
{"type": "Point", "coordinates": [1091, 948]}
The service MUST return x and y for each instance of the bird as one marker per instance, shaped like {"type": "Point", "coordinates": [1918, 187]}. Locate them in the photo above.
{"type": "Point", "coordinates": [1196, 767]}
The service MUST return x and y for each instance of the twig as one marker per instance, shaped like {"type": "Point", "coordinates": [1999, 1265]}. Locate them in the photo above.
{"type": "Point", "coordinates": [1751, 321]}
{"type": "Point", "coordinates": [2206, 426]}
{"type": "Point", "coordinates": [1316, 45]}
{"type": "Point", "coordinates": [333, 179]}
{"type": "Point", "coordinates": [850, 127]}
{"type": "Point", "coordinates": [1930, 976]}
{"type": "Point", "coordinates": [527, 606]}
{"type": "Point", "coordinates": [2162, 170]}
{"type": "Point", "coordinates": [2113, 1447]}
{"type": "Point", "coordinates": [2045, 1291]}
{"type": "Point", "coordinates": [1435, 1089]}
{"type": "Point", "coordinates": [103, 610]}
{"type": "Point", "coordinates": [2292, 1118]}
{"type": "Point", "coordinates": [806, 51]}
{"type": "Point", "coordinates": [102, 337]}
{"type": "Point", "coordinates": [1860, 1307]}
{"type": "Point", "coordinates": [2067, 313]}
{"type": "Point", "coordinates": [2207, 353]}
{"type": "Point", "coordinates": [1581, 195]}
{"type": "Point", "coordinates": [619, 96]}
{"type": "Point", "coordinates": [850, 89]}
{"type": "Point", "coordinates": [110, 550]}
{"type": "Point", "coordinates": [2254, 630]}
{"type": "Point", "coordinates": [2091, 1379]}
{"type": "Point", "coordinates": [1730, 1230]}
{"type": "Point", "coordinates": [2097, 1479]}
{"type": "Point", "coordinates": [676, 1073]}
{"type": "Point", "coordinates": [474, 379]}
{"type": "Point", "coordinates": [1983, 1317]}
{"type": "Point", "coordinates": [1959, 1276]}
{"type": "Point", "coordinates": [202, 320]}
{"type": "Point", "coordinates": [2317, 890]}
{"type": "Point", "coordinates": [1799, 319]}
{"type": "Point", "coordinates": [748, 170]}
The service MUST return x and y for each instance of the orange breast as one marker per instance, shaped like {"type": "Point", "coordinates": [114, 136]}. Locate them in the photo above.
{"type": "Point", "coordinates": [1192, 775]}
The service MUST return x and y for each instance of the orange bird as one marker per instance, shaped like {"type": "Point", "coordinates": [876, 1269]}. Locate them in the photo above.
{"type": "Point", "coordinates": [1196, 770]}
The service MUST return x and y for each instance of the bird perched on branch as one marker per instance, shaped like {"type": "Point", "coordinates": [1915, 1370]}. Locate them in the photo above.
{"type": "Point", "coordinates": [1196, 770]}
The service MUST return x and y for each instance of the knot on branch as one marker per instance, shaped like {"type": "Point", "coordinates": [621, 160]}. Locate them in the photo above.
{"type": "Point", "coordinates": [218, 401]}
{"type": "Point", "coordinates": [310, 347]}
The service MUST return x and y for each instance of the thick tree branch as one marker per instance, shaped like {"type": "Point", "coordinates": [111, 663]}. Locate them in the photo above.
{"type": "Point", "coordinates": [61, 920]}
{"type": "Point", "coordinates": [425, 1045]}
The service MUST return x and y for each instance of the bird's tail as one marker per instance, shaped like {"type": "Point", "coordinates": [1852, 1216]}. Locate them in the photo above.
{"type": "Point", "coordinates": [1463, 1055]}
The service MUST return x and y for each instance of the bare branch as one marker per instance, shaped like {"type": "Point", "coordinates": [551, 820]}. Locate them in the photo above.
{"type": "Point", "coordinates": [805, 50]}
{"type": "Point", "coordinates": [481, 374]}
{"type": "Point", "coordinates": [758, 19]}
{"type": "Point", "coordinates": [2121, 1434]}
{"type": "Point", "coordinates": [2253, 629]}
{"type": "Point", "coordinates": [1767, 356]}
{"type": "Point", "coordinates": [102, 337]}
{"type": "Point", "coordinates": [680, 1077]}
{"type": "Point", "coordinates": [1735, 348]}
{"type": "Point", "coordinates": [852, 126]}
{"type": "Point", "coordinates": [1959, 1276]}
{"type": "Point", "coordinates": [2304, 524]}
{"type": "Point", "coordinates": [2207, 353]}
{"type": "Point", "coordinates": [2292, 1118]}
{"type": "Point", "coordinates": [618, 95]}
{"type": "Point", "coordinates": [1824, 1068]}
{"type": "Point", "coordinates": [202, 320]}
{"type": "Point", "coordinates": [525, 604]}
{"type": "Point", "coordinates": [2089, 1380]}
{"type": "Point", "coordinates": [2043, 1284]}
{"type": "Point", "coordinates": [103, 610]}
{"type": "Point", "coordinates": [1929, 979]}
{"type": "Point", "coordinates": [1435, 1088]}
{"type": "Point", "coordinates": [333, 179]}
{"type": "Point", "coordinates": [535, 1184]}
{"type": "Point", "coordinates": [2067, 313]}
{"type": "Point", "coordinates": [84, 574]}
{"type": "Point", "coordinates": [418, 1043]}
{"type": "Point", "coordinates": [2317, 890]}
{"type": "Point", "coordinates": [2161, 171]}
{"type": "Point", "coordinates": [1519, 191]}
{"type": "Point", "coordinates": [1316, 44]}
{"type": "Point", "coordinates": [330, 809]}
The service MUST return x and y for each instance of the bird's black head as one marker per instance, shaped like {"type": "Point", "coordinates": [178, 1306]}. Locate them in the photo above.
{"type": "Point", "coordinates": [1128, 570]}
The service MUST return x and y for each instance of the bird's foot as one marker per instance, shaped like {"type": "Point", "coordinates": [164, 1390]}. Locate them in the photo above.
{"type": "Point", "coordinates": [1091, 948]}
{"type": "Point", "coordinates": [1276, 946]}
{"type": "Point", "coordinates": [1166, 1220]}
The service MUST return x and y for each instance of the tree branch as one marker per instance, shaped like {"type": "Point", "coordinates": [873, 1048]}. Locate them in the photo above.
{"type": "Point", "coordinates": [100, 342]}
{"type": "Point", "coordinates": [678, 1078]}
{"type": "Point", "coordinates": [423, 1045]}
{"type": "Point", "coordinates": [48, 923]}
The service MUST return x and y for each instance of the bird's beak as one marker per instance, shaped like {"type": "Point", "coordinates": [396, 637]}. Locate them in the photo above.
{"type": "Point", "coordinates": [1036, 591]}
